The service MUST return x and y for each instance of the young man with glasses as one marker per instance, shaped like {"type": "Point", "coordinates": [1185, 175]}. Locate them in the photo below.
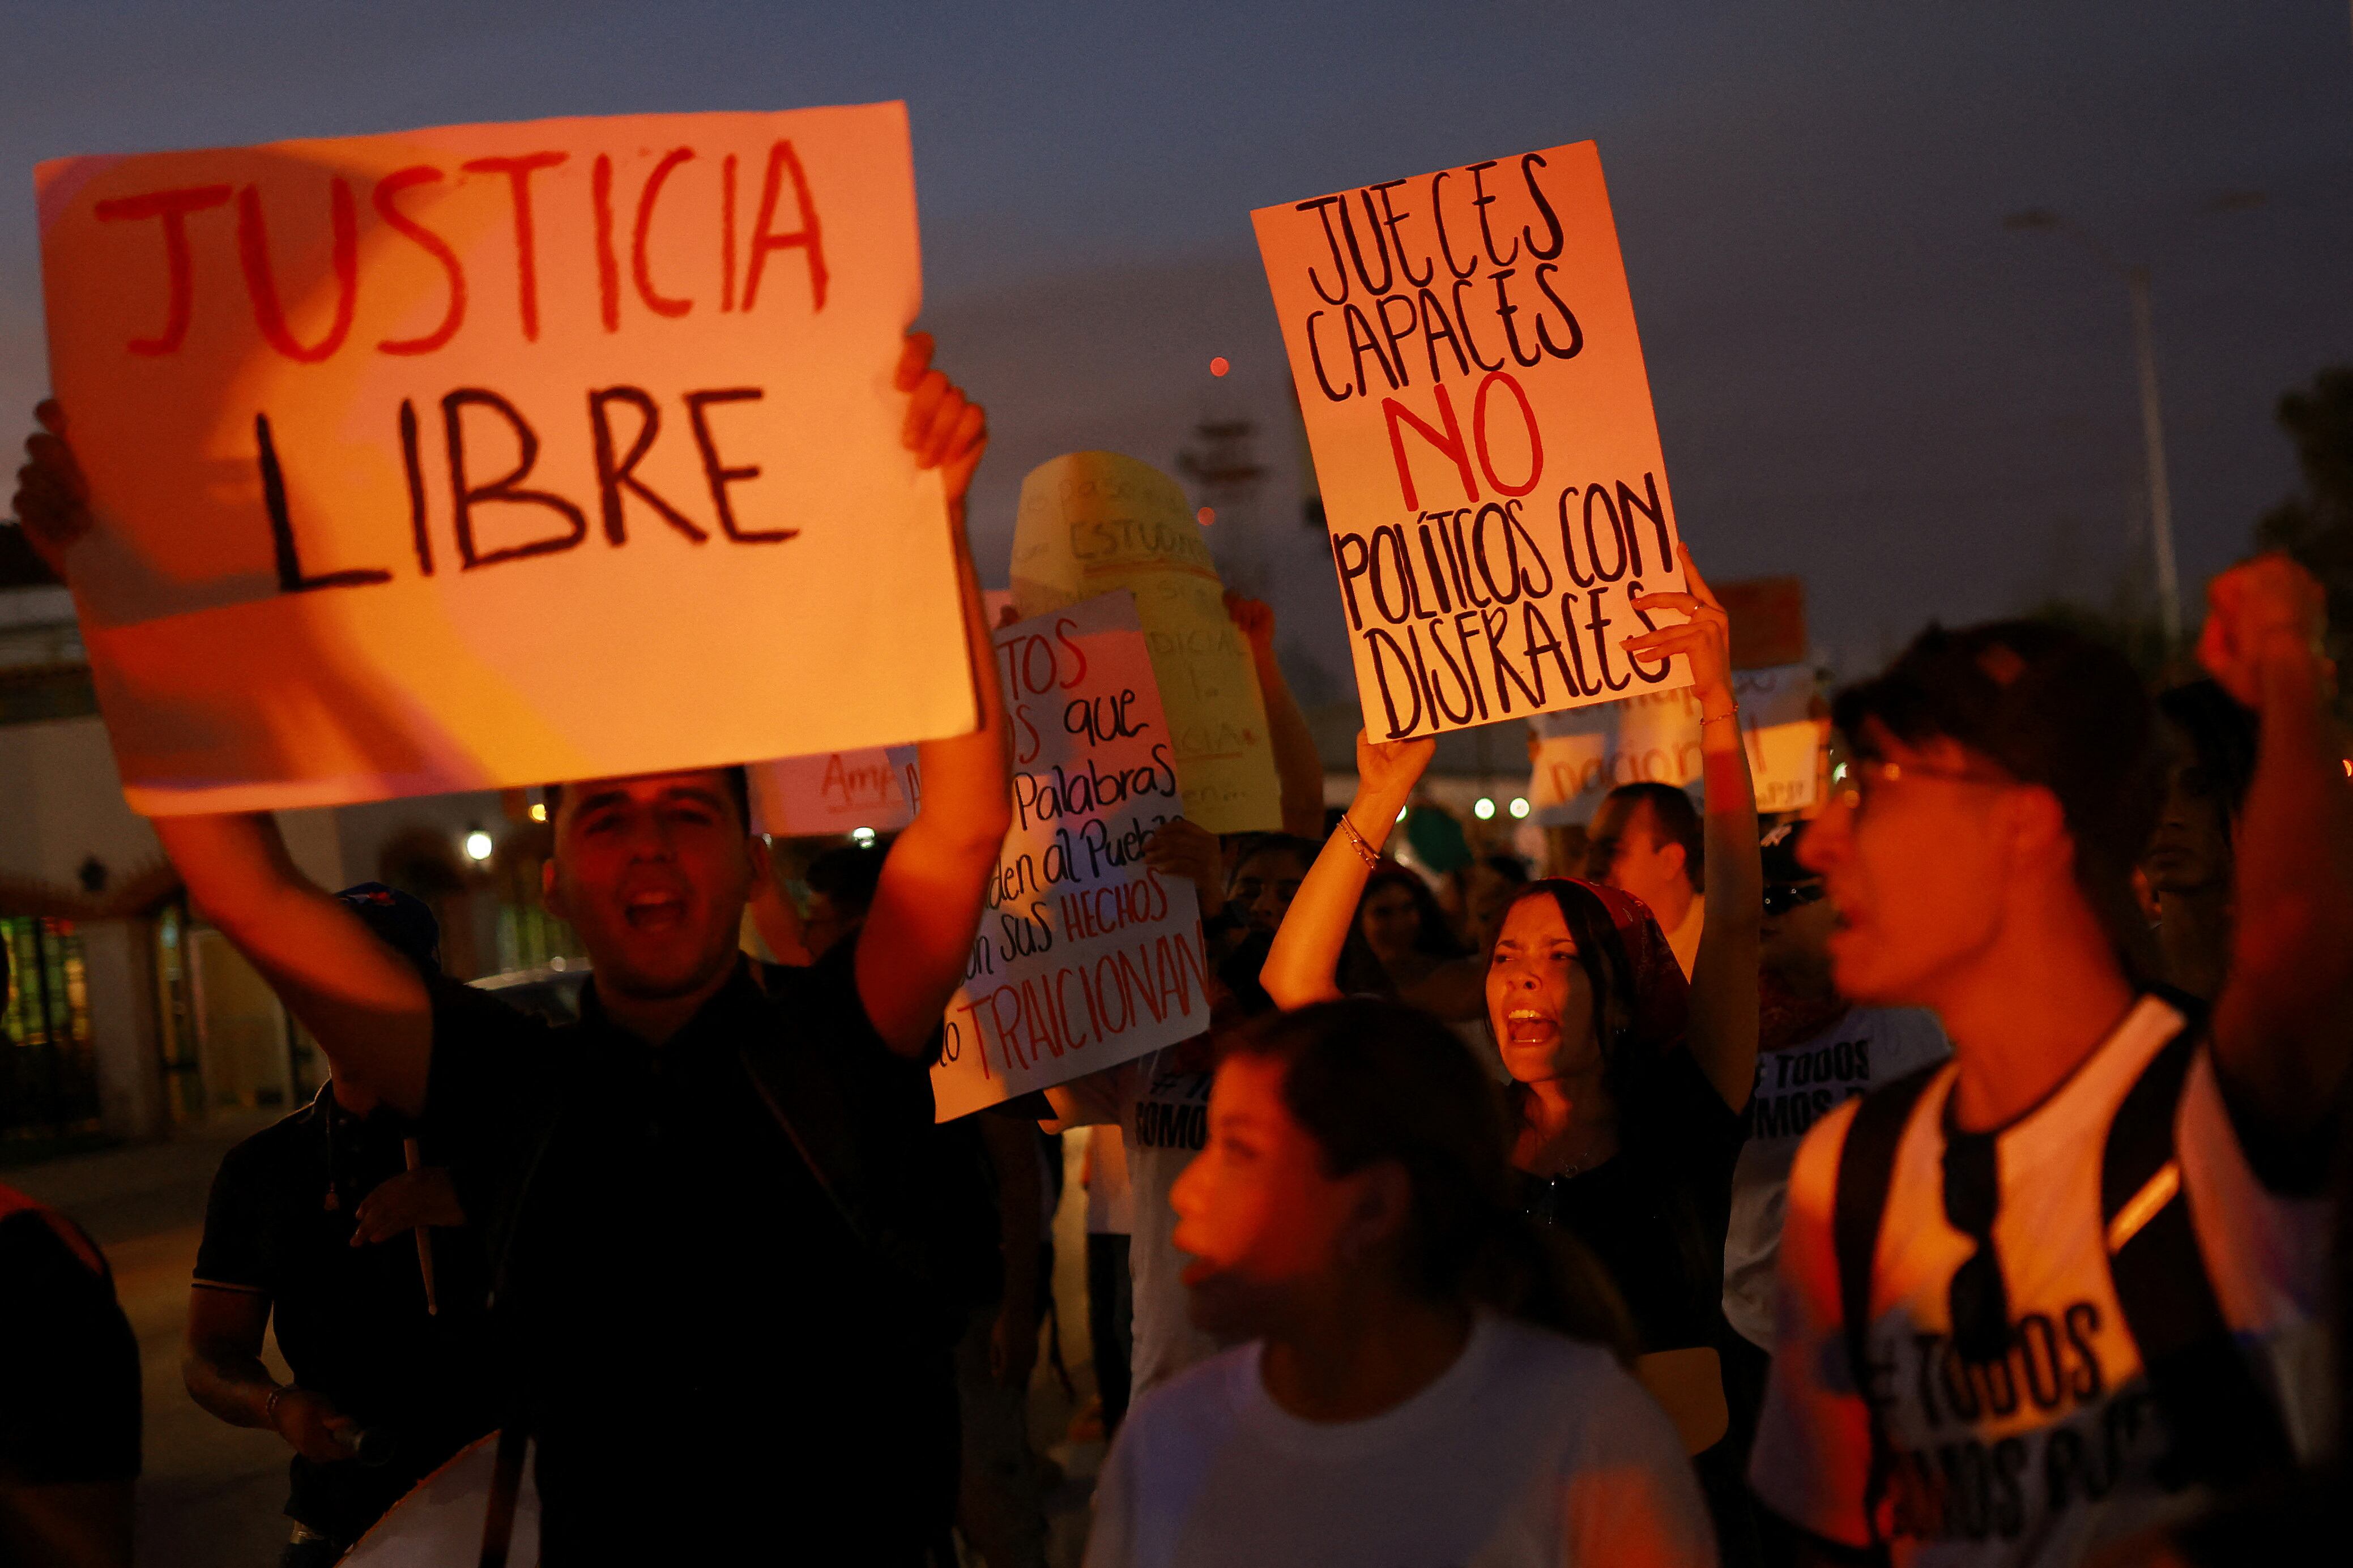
{"type": "Point", "coordinates": [2033, 1300]}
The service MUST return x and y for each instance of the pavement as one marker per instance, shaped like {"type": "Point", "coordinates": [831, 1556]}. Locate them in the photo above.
{"type": "Point", "coordinates": [210, 1494]}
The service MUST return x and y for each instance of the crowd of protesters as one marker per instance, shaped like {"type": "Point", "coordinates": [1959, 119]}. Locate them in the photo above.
{"type": "Point", "coordinates": [1938, 1176]}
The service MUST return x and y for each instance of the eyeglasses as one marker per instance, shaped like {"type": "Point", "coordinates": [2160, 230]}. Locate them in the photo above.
{"type": "Point", "coordinates": [1780, 898]}
{"type": "Point", "coordinates": [1977, 1302]}
{"type": "Point", "coordinates": [1871, 775]}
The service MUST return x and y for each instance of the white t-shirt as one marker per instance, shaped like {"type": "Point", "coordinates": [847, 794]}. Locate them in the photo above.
{"type": "Point", "coordinates": [1530, 1449]}
{"type": "Point", "coordinates": [1111, 1203]}
{"type": "Point", "coordinates": [1163, 1115]}
{"type": "Point", "coordinates": [2038, 1459]}
{"type": "Point", "coordinates": [1796, 1087]}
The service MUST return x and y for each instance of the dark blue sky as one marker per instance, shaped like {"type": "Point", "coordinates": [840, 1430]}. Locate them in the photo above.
{"type": "Point", "coordinates": [1861, 378]}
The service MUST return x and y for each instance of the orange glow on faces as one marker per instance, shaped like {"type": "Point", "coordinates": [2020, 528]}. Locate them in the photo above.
{"type": "Point", "coordinates": [1261, 1222]}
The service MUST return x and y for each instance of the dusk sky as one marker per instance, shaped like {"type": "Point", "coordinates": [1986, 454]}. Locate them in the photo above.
{"type": "Point", "coordinates": [1861, 378]}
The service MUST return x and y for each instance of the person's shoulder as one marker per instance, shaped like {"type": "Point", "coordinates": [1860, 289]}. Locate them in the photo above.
{"type": "Point", "coordinates": [265, 1161]}
{"type": "Point", "coordinates": [37, 1243]}
{"type": "Point", "coordinates": [1198, 1403]}
{"type": "Point", "coordinates": [1813, 1173]}
{"type": "Point", "coordinates": [1597, 1404]}
{"type": "Point", "coordinates": [1527, 1352]}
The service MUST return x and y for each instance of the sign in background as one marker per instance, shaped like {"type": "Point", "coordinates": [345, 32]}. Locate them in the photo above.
{"type": "Point", "coordinates": [1086, 957]}
{"type": "Point", "coordinates": [1581, 756]}
{"type": "Point", "coordinates": [1464, 350]}
{"type": "Point", "coordinates": [1094, 522]}
{"type": "Point", "coordinates": [813, 797]}
{"type": "Point", "coordinates": [496, 455]}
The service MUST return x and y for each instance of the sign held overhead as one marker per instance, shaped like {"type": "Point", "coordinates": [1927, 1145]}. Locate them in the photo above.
{"type": "Point", "coordinates": [1465, 351]}
{"type": "Point", "coordinates": [500, 454]}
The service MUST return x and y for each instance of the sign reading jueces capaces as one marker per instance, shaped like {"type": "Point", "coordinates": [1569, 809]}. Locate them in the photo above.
{"type": "Point", "coordinates": [1464, 350]}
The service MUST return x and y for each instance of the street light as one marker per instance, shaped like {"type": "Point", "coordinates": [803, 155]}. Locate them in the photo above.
{"type": "Point", "coordinates": [2152, 418]}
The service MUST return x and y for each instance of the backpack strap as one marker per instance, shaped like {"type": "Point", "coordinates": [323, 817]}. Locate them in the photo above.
{"type": "Point", "coordinates": [1866, 1171]}
{"type": "Point", "coordinates": [506, 1486]}
{"type": "Point", "coordinates": [2224, 1429]}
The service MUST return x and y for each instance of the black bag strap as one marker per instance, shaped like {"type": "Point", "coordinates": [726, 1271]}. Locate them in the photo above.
{"type": "Point", "coordinates": [506, 1486]}
{"type": "Point", "coordinates": [1866, 1171]}
{"type": "Point", "coordinates": [2224, 1429]}
{"type": "Point", "coordinates": [806, 1105]}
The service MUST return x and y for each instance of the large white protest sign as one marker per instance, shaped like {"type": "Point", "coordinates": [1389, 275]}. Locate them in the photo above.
{"type": "Point", "coordinates": [835, 792]}
{"type": "Point", "coordinates": [1086, 957]}
{"type": "Point", "coordinates": [1094, 522]}
{"type": "Point", "coordinates": [1464, 350]}
{"type": "Point", "coordinates": [494, 455]}
{"type": "Point", "coordinates": [1581, 756]}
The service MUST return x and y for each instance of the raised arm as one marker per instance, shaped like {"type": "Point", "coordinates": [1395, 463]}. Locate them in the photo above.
{"type": "Point", "coordinates": [928, 902]}
{"type": "Point", "coordinates": [1296, 763]}
{"type": "Point", "coordinates": [362, 1000]}
{"type": "Point", "coordinates": [1299, 966]}
{"type": "Point", "coordinates": [2281, 1026]}
{"type": "Point", "coordinates": [367, 1004]}
{"type": "Point", "coordinates": [1724, 1021]}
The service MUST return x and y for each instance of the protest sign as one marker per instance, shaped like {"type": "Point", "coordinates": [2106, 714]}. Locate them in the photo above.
{"type": "Point", "coordinates": [1094, 522]}
{"type": "Point", "coordinates": [811, 797]}
{"type": "Point", "coordinates": [1465, 352]}
{"type": "Point", "coordinates": [496, 455]}
{"type": "Point", "coordinates": [1086, 957]}
{"type": "Point", "coordinates": [1581, 756]}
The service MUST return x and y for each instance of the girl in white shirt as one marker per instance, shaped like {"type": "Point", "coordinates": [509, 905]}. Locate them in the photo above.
{"type": "Point", "coordinates": [1397, 1402]}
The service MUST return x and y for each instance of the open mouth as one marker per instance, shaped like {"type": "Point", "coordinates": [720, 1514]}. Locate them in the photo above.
{"type": "Point", "coordinates": [1527, 1026]}
{"type": "Point", "coordinates": [653, 911]}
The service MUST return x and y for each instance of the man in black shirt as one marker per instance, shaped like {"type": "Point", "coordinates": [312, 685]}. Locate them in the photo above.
{"type": "Point", "coordinates": [312, 1221]}
{"type": "Point", "coordinates": [706, 1258]}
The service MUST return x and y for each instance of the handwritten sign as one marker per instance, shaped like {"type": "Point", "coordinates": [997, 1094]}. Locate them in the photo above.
{"type": "Point", "coordinates": [1465, 351]}
{"type": "Point", "coordinates": [499, 454]}
{"type": "Point", "coordinates": [1094, 522]}
{"type": "Point", "coordinates": [1086, 957]}
{"type": "Point", "coordinates": [812, 797]}
{"type": "Point", "coordinates": [1582, 756]}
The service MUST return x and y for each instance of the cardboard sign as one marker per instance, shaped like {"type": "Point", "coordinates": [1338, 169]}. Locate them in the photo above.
{"type": "Point", "coordinates": [1094, 522]}
{"type": "Point", "coordinates": [813, 797]}
{"type": "Point", "coordinates": [496, 455]}
{"type": "Point", "coordinates": [1581, 757]}
{"type": "Point", "coordinates": [1086, 957]}
{"type": "Point", "coordinates": [1465, 351]}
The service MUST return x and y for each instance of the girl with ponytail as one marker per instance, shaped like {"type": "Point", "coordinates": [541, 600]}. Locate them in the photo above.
{"type": "Point", "coordinates": [1407, 1390]}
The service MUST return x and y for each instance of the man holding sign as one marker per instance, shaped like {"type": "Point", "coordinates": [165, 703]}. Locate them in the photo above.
{"type": "Point", "coordinates": [707, 1262]}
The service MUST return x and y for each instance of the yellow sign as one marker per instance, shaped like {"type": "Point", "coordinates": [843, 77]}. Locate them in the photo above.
{"type": "Point", "coordinates": [1094, 522]}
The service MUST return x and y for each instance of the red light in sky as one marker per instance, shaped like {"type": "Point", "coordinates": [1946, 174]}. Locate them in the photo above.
{"type": "Point", "coordinates": [1205, 516]}
{"type": "Point", "coordinates": [1217, 366]}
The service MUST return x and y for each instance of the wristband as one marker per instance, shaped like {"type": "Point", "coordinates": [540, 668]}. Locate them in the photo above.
{"type": "Point", "coordinates": [269, 1405]}
{"type": "Point", "coordinates": [1364, 852]}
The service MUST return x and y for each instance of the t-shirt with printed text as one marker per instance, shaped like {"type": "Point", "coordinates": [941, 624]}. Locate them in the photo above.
{"type": "Point", "coordinates": [1796, 1087]}
{"type": "Point", "coordinates": [1160, 1102]}
{"type": "Point", "coordinates": [2035, 1459]}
